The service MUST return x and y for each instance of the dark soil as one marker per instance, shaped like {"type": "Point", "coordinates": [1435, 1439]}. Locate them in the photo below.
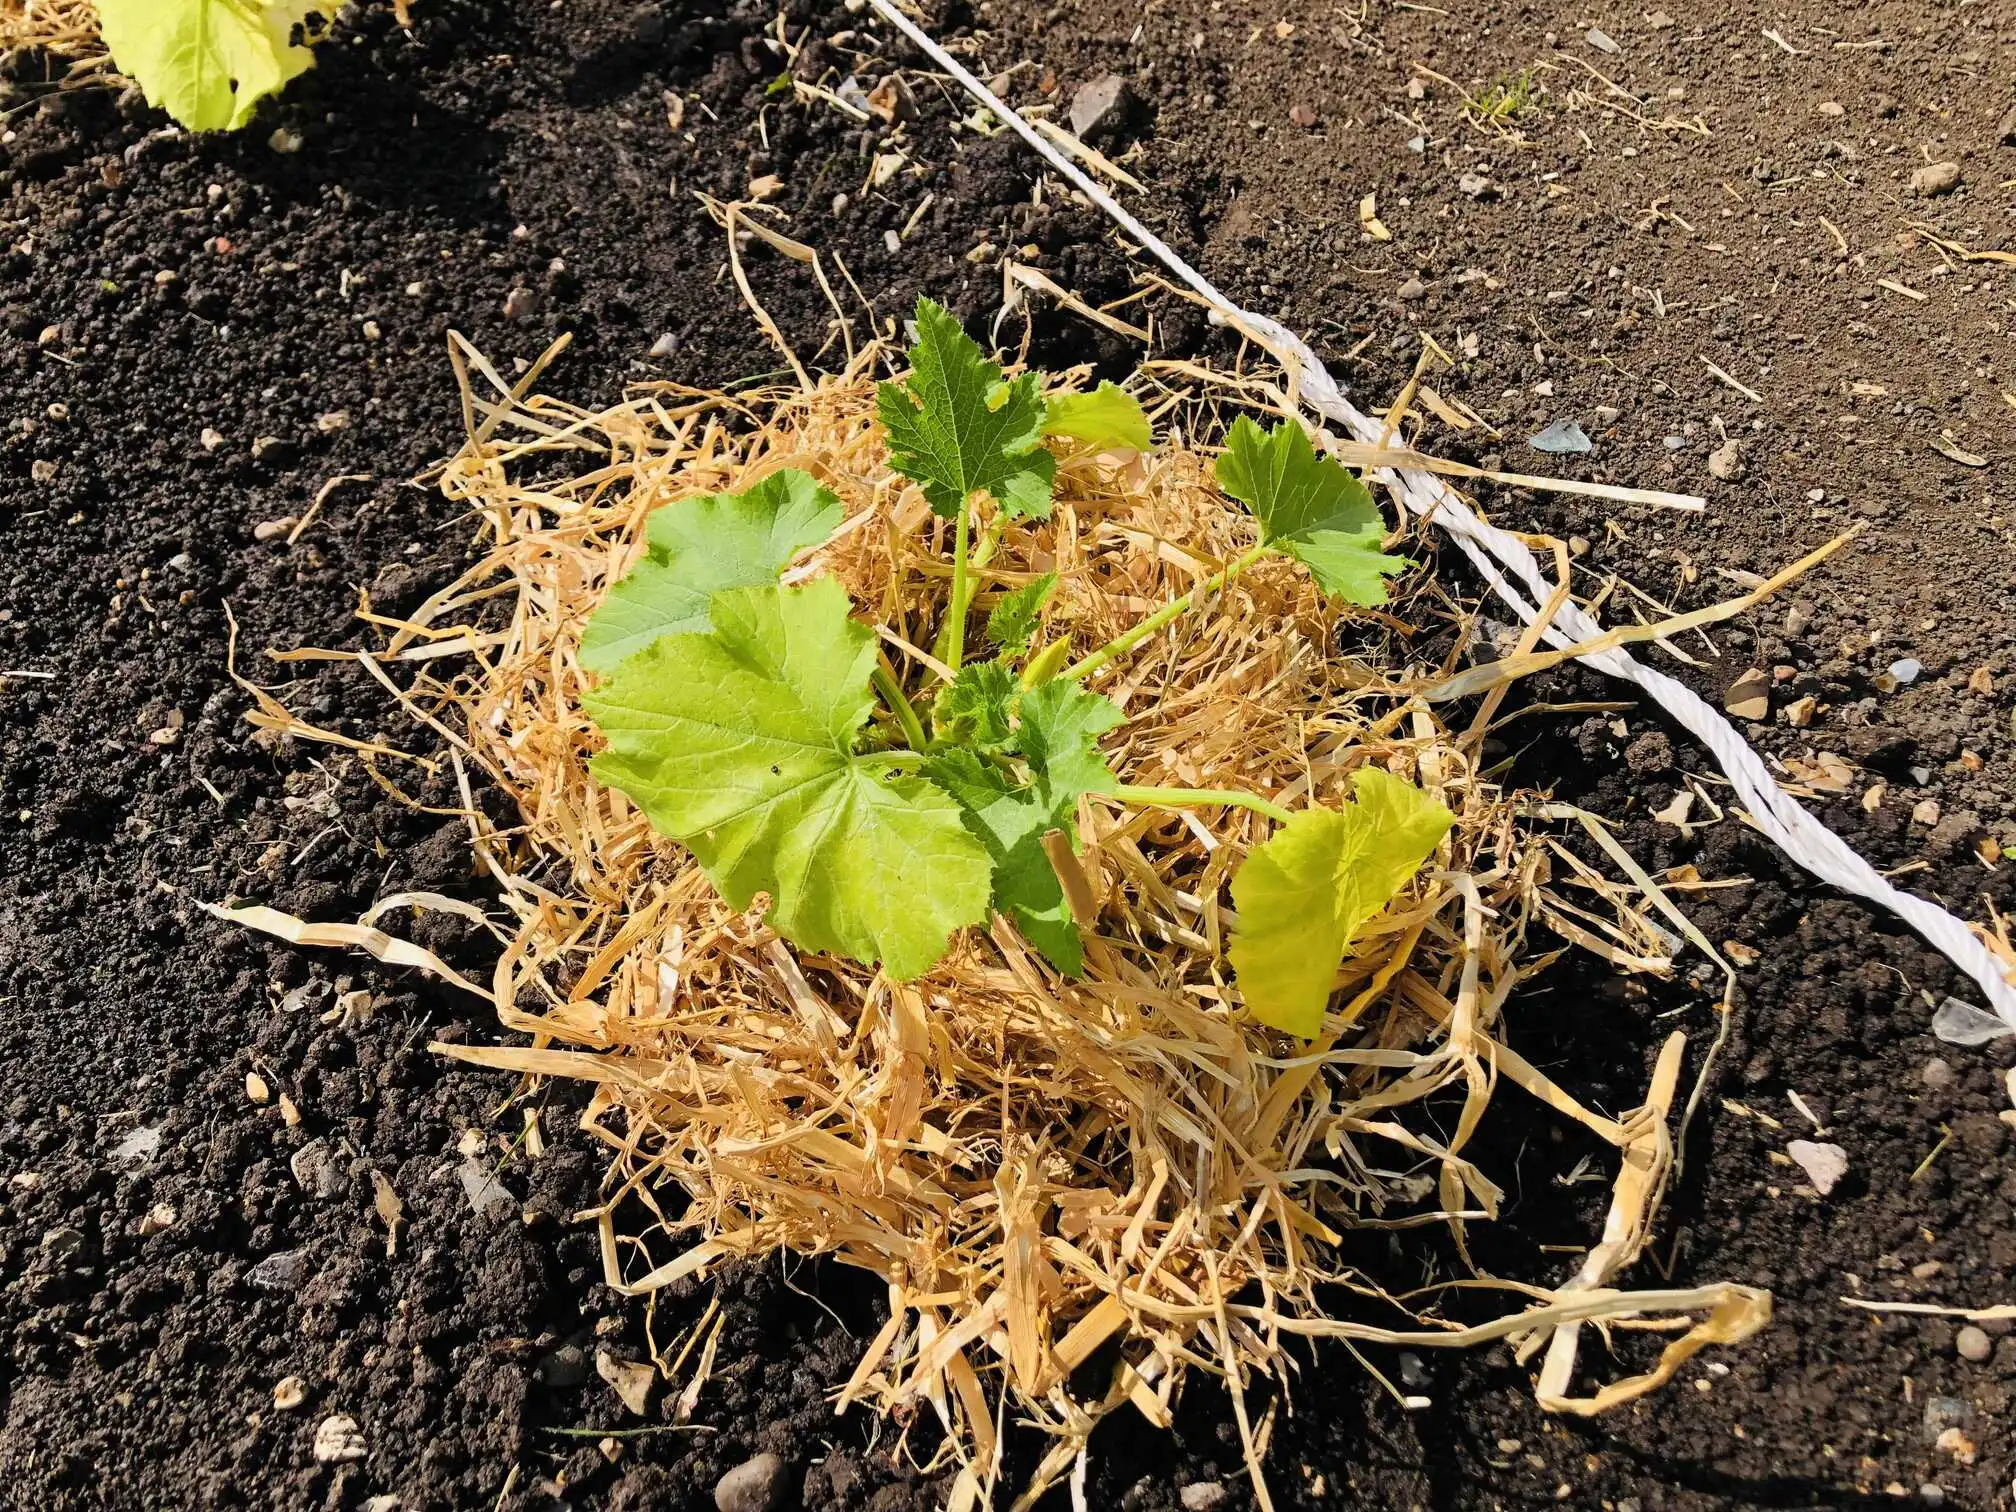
{"type": "Point", "coordinates": [159, 287]}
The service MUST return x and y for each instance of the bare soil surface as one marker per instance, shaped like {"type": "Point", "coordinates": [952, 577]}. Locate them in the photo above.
{"type": "Point", "coordinates": [178, 1238]}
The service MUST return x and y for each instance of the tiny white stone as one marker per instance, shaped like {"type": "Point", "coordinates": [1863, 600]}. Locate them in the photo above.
{"type": "Point", "coordinates": [1824, 1164]}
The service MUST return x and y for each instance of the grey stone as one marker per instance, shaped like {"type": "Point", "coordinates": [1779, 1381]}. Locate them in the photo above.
{"type": "Point", "coordinates": [1100, 107]}
{"type": "Point", "coordinates": [1973, 1344]}
{"type": "Point", "coordinates": [487, 1194]}
{"type": "Point", "coordinates": [565, 1366]}
{"type": "Point", "coordinates": [1726, 461]}
{"type": "Point", "coordinates": [756, 1485]}
{"type": "Point", "coordinates": [314, 1167]}
{"type": "Point", "coordinates": [1563, 436]}
{"type": "Point", "coordinates": [137, 1150]}
{"type": "Point", "coordinates": [1203, 1496]}
{"type": "Point", "coordinates": [282, 1270]}
{"type": "Point", "coordinates": [1935, 179]}
{"type": "Point", "coordinates": [1943, 1412]}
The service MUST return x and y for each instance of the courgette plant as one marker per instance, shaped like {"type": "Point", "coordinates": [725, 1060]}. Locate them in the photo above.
{"type": "Point", "coordinates": [739, 713]}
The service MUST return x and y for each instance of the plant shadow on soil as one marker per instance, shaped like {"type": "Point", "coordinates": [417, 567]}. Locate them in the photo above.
{"type": "Point", "coordinates": [498, 147]}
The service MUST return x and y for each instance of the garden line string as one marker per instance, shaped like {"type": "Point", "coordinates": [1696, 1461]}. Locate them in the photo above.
{"type": "Point", "coordinates": [1495, 552]}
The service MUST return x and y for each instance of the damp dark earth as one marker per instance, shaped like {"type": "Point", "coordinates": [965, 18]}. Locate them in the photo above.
{"type": "Point", "coordinates": [260, 1247]}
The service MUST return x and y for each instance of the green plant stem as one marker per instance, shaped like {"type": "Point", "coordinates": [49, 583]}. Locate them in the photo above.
{"type": "Point", "coordinates": [962, 588]}
{"type": "Point", "coordinates": [906, 715]}
{"type": "Point", "coordinates": [1169, 797]}
{"type": "Point", "coordinates": [1121, 644]}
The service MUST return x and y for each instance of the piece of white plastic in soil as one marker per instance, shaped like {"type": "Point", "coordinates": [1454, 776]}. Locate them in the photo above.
{"type": "Point", "coordinates": [1498, 554]}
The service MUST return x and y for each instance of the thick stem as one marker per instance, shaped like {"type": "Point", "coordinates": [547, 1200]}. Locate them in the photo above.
{"type": "Point", "coordinates": [962, 588]}
{"type": "Point", "coordinates": [1170, 797]}
{"type": "Point", "coordinates": [1121, 644]}
{"type": "Point", "coordinates": [906, 715]}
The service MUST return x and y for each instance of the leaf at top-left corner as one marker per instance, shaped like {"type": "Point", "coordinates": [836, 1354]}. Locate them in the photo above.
{"type": "Point", "coordinates": [699, 547]}
{"type": "Point", "coordinates": [209, 63]}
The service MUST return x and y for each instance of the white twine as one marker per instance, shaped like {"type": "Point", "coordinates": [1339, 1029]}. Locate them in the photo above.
{"type": "Point", "coordinates": [1495, 552]}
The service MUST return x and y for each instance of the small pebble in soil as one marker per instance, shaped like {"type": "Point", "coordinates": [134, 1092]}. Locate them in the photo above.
{"type": "Point", "coordinates": [137, 1150]}
{"type": "Point", "coordinates": [289, 1392]}
{"type": "Point", "coordinates": [279, 1271]}
{"type": "Point", "coordinates": [564, 1367]}
{"type": "Point", "coordinates": [1973, 1344]}
{"type": "Point", "coordinates": [1749, 696]}
{"type": "Point", "coordinates": [1476, 185]}
{"type": "Point", "coordinates": [1937, 1074]}
{"type": "Point", "coordinates": [1302, 115]}
{"type": "Point", "coordinates": [1100, 107]}
{"type": "Point", "coordinates": [1824, 1164]}
{"type": "Point", "coordinates": [1203, 1496]}
{"type": "Point", "coordinates": [285, 140]}
{"type": "Point", "coordinates": [1943, 1412]}
{"type": "Point", "coordinates": [1936, 178]}
{"type": "Point", "coordinates": [337, 1440]}
{"type": "Point", "coordinates": [1413, 289]}
{"type": "Point", "coordinates": [666, 345]}
{"type": "Point", "coordinates": [1413, 1371]}
{"type": "Point", "coordinates": [1726, 461]}
{"type": "Point", "coordinates": [62, 1244]}
{"type": "Point", "coordinates": [1600, 40]}
{"type": "Point", "coordinates": [211, 439]}
{"type": "Point", "coordinates": [520, 304]}
{"type": "Point", "coordinates": [1674, 443]}
{"type": "Point", "coordinates": [1563, 436]}
{"type": "Point", "coordinates": [1906, 670]}
{"type": "Point", "coordinates": [487, 1195]}
{"type": "Point", "coordinates": [756, 1485]}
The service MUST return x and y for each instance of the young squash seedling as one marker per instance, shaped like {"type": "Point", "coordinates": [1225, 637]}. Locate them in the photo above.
{"type": "Point", "coordinates": [741, 715]}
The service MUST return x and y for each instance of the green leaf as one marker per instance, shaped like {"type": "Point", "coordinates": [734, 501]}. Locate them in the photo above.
{"type": "Point", "coordinates": [974, 708]}
{"type": "Point", "coordinates": [696, 548]}
{"type": "Point", "coordinates": [738, 742]}
{"type": "Point", "coordinates": [1011, 821]}
{"type": "Point", "coordinates": [208, 63]}
{"type": "Point", "coordinates": [1312, 507]}
{"type": "Point", "coordinates": [1057, 735]}
{"type": "Point", "coordinates": [1109, 418]}
{"type": "Point", "coordinates": [1012, 625]}
{"type": "Point", "coordinates": [1058, 730]}
{"type": "Point", "coordinates": [1303, 895]}
{"type": "Point", "coordinates": [956, 429]}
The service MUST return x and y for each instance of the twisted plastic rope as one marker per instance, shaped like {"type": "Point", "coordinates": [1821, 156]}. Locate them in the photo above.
{"type": "Point", "coordinates": [1496, 553]}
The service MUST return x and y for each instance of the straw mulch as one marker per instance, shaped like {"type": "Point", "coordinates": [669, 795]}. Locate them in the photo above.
{"type": "Point", "coordinates": [1043, 1171]}
{"type": "Point", "coordinates": [67, 28]}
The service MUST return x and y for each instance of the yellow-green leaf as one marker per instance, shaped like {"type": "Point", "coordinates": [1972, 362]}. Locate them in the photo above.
{"type": "Point", "coordinates": [209, 63]}
{"type": "Point", "coordinates": [1109, 418]}
{"type": "Point", "coordinates": [1304, 895]}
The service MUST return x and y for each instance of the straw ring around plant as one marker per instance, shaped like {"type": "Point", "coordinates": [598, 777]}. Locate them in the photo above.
{"type": "Point", "coordinates": [952, 840]}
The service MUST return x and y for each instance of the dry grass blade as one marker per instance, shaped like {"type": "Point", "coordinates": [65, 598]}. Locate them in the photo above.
{"type": "Point", "coordinates": [1041, 1169]}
